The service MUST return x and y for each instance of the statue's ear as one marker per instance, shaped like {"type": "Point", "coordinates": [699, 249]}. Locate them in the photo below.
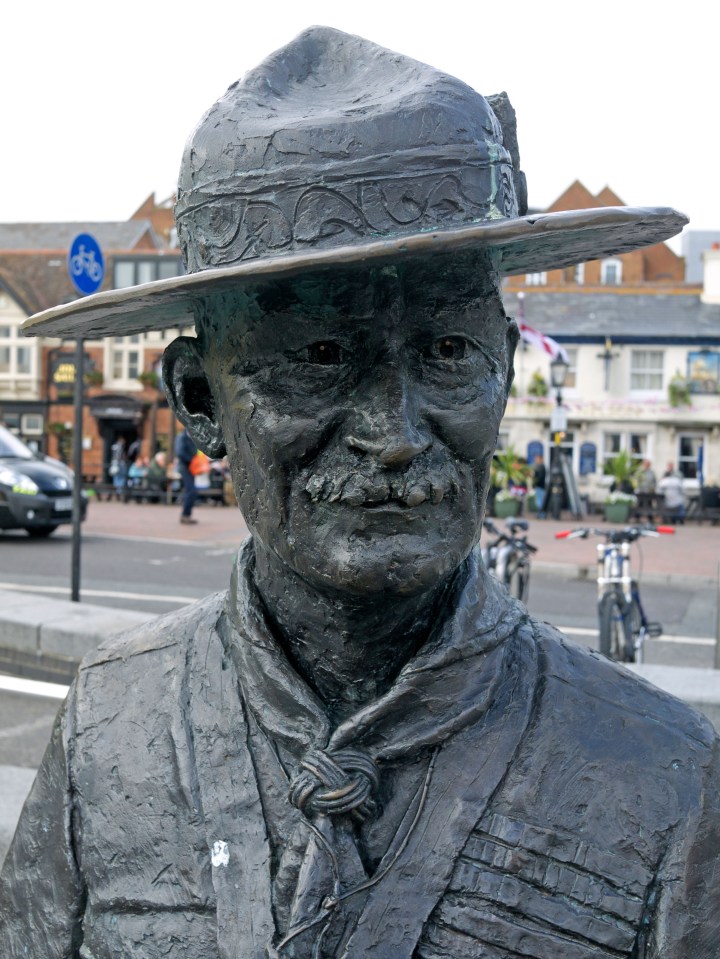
{"type": "Point", "coordinates": [189, 395]}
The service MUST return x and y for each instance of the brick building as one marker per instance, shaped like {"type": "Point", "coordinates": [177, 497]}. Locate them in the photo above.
{"type": "Point", "coordinates": [653, 264]}
{"type": "Point", "coordinates": [122, 390]}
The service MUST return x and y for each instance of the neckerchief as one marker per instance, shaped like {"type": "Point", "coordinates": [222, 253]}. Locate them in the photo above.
{"type": "Point", "coordinates": [448, 686]}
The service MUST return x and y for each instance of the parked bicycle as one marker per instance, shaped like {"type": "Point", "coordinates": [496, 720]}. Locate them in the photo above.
{"type": "Point", "coordinates": [508, 556]}
{"type": "Point", "coordinates": [623, 626]}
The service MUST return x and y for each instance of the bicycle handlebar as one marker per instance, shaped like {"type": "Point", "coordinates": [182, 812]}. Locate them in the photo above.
{"type": "Point", "coordinates": [518, 542]}
{"type": "Point", "coordinates": [626, 535]}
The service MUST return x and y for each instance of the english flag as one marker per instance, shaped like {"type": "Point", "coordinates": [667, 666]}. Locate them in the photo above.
{"type": "Point", "coordinates": [546, 343]}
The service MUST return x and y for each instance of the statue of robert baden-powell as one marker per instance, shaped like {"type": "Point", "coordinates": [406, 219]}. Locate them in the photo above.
{"type": "Point", "coordinates": [365, 748]}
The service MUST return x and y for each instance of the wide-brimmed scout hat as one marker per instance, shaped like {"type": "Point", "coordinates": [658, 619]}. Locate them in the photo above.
{"type": "Point", "coordinates": [337, 153]}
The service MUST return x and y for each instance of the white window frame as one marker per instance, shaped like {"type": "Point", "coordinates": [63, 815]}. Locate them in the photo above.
{"type": "Point", "coordinates": [647, 371]}
{"type": "Point", "coordinates": [605, 267]}
{"type": "Point", "coordinates": [32, 424]}
{"type": "Point", "coordinates": [146, 269]}
{"type": "Point", "coordinates": [503, 441]}
{"type": "Point", "coordinates": [573, 353]}
{"type": "Point", "coordinates": [10, 319]}
{"type": "Point", "coordinates": [693, 435]}
{"type": "Point", "coordinates": [626, 445]}
{"type": "Point", "coordinates": [123, 347]}
{"type": "Point", "coordinates": [536, 279]}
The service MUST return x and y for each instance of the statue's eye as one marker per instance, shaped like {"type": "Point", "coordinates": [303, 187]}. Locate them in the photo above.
{"type": "Point", "coordinates": [325, 353]}
{"type": "Point", "coordinates": [450, 348]}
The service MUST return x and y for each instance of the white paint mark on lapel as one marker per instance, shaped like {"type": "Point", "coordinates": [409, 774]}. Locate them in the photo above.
{"type": "Point", "coordinates": [220, 854]}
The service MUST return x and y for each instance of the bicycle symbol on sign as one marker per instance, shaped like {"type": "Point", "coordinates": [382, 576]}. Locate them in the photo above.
{"type": "Point", "coordinates": [84, 262]}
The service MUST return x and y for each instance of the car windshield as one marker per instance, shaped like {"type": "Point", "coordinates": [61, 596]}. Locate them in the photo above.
{"type": "Point", "coordinates": [10, 445]}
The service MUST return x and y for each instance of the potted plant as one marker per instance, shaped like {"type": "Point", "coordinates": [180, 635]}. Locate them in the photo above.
{"type": "Point", "coordinates": [149, 379]}
{"type": "Point", "coordinates": [509, 475]}
{"type": "Point", "coordinates": [621, 499]}
{"type": "Point", "coordinates": [94, 378]}
{"type": "Point", "coordinates": [617, 506]}
{"type": "Point", "coordinates": [678, 391]}
{"type": "Point", "coordinates": [507, 502]}
{"type": "Point", "coordinates": [538, 386]}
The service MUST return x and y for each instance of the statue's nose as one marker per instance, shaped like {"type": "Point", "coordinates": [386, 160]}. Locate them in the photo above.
{"type": "Point", "coordinates": [387, 422]}
{"type": "Point", "coordinates": [392, 451]}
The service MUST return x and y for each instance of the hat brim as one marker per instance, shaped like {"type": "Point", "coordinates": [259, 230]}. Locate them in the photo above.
{"type": "Point", "coordinates": [529, 244]}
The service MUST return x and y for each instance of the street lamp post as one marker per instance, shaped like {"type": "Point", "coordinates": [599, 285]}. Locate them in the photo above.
{"type": "Point", "coordinates": [558, 426]}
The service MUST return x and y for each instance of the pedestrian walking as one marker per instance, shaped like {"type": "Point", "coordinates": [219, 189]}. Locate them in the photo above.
{"type": "Point", "coordinates": [118, 468]}
{"type": "Point", "coordinates": [185, 450]}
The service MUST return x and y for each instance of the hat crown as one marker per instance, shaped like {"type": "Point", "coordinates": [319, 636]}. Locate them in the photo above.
{"type": "Point", "coordinates": [333, 139]}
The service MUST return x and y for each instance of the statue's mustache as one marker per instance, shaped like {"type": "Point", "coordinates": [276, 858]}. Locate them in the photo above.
{"type": "Point", "coordinates": [367, 483]}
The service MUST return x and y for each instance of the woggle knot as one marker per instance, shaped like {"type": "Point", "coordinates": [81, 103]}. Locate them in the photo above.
{"type": "Point", "coordinates": [334, 784]}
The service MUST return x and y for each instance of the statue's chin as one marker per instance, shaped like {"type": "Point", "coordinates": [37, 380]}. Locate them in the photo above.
{"type": "Point", "coordinates": [401, 565]}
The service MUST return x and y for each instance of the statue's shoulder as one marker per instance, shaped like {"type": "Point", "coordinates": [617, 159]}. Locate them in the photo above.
{"type": "Point", "coordinates": [137, 679]}
{"type": "Point", "coordinates": [163, 638]}
{"type": "Point", "coordinates": [597, 686]}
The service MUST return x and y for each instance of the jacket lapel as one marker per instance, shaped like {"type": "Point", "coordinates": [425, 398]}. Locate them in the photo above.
{"type": "Point", "coordinates": [238, 846]}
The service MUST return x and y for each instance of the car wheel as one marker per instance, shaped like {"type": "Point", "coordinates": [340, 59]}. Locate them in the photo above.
{"type": "Point", "coordinates": [40, 532]}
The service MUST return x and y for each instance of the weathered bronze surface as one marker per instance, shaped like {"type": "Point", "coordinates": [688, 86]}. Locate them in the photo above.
{"type": "Point", "coordinates": [365, 748]}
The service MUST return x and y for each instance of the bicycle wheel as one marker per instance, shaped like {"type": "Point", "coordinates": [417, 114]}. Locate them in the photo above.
{"type": "Point", "coordinates": [615, 629]}
{"type": "Point", "coordinates": [518, 581]}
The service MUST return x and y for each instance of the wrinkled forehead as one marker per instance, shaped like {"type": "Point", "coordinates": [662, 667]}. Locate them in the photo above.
{"type": "Point", "coordinates": [411, 292]}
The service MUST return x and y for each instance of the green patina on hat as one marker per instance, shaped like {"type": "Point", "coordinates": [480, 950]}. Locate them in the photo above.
{"type": "Point", "coordinates": [336, 152]}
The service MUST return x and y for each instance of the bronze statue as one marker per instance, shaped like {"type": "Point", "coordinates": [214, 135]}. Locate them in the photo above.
{"type": "Point", "coordinates": [365, 748]}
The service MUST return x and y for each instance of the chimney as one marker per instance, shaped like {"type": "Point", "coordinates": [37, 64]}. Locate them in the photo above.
{"type": "Point", "coordinates": [711, 275]}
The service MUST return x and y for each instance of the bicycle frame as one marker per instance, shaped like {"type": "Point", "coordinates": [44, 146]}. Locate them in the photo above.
{"type": "Point", "coordinates": [509, 554]}
{"type": "Point", "coordinates": [618, 594]}
{"type": "Point", "coordinates": [613, 561]}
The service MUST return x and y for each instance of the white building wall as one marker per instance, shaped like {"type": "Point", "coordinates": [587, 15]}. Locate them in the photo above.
{"type": "Point", "coordinates": [593, 411]}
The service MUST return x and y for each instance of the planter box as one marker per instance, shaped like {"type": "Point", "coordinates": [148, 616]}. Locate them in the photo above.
{"type": "Point", "coordinates": [506, 507]}
{"type": "Point", "coordinates": [617, 512]}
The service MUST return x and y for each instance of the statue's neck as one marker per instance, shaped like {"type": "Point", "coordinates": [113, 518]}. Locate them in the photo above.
{"type": "Point", "coordinates": [349, 649]}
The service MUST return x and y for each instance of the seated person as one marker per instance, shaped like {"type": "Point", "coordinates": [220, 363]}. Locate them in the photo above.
{"type": "Point", "coordinates": [671, 488]}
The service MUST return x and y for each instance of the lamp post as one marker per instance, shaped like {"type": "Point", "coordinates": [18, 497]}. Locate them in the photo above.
{"type": "Point", "coordinates": [558, 425]}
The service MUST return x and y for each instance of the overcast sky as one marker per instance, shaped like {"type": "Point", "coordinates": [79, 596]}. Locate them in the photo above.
{"type": "Point", "coordinates": [98, 100]}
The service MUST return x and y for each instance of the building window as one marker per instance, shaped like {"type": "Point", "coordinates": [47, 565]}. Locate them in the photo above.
{"type": "Point", "coordinates": [571, 376]}
{"type": "Point", "coordinates": [126, 359]}
{"type": "Point", "coordinates": [535, 279]}
{"type": "Point", "coordinates": [130, 271]}
{"type": "Point", "coordinates": [688, 450]}
{"type": "Point", "coordinates": [636, 444]}
{"type": "Point", "coordinates": [503, 441]}
{"type": "Point", "coordinates": [611, 272]}
{"type": "Point", "coordinates": [16, 355]}
{"type": "Point", "coordinates": [575, 274]}
{"type": "Point", "coordinates": [32, 424]}
{"type": "Point", "coordinates": [646, 369]}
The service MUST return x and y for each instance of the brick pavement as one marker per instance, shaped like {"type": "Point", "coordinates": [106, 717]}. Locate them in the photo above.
{"type": "Point", "coordinates": [692, 551]}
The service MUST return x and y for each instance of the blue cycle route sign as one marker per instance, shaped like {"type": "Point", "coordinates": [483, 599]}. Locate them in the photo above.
{"type": "Point", "coordinates": [86, 264]}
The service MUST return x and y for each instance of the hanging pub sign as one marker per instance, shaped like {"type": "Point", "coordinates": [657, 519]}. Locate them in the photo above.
{"type": "Point", "coordinates": [704, 371]}
{"type": "Point", "coordinates": [62, 371]}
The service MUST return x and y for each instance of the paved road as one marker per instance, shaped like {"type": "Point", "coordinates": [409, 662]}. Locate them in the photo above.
{"type": "Point", "coordinates": [687, 612]}
{"type": "Point", "coordinates": [130, 573]}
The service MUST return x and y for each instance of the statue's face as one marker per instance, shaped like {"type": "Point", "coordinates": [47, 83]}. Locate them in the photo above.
{"type": "Point", "coordinates": [360, 417]}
